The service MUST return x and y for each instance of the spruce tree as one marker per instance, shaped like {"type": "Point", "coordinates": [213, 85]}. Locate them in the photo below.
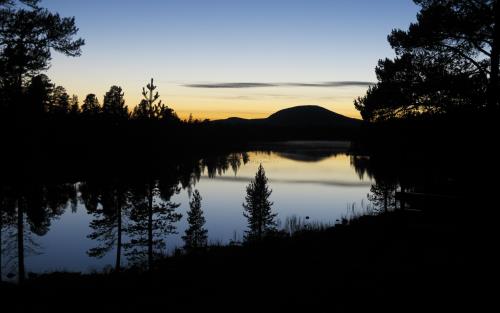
{"type": "Point", "coordinates": [257, 207]}
{"type": "Point", "coordinates": [91, 106]}
{"type": "Point", "coordinates": [113, 106]}
{"type": "Point", "coordinates": [60, 102]}
{"type": "Point", "coordinates": [196, 235]}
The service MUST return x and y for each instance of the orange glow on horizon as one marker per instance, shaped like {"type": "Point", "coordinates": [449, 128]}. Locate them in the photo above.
{"type": "Point", "coordinates": [203, 106]}
{"type": "Point", "coordinates": [215, 115]}
{"type": "Point", "coordinates": [216, 104]}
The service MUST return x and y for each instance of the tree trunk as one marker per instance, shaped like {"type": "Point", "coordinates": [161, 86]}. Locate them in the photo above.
{"type": "Point", "coordinates": [150, 228]}
{"type": "Point", "coordinates": [259, 232]}
{"type": "Point", "coordinates": [495, 61]}
{"type": "Point", "coordinates": [385, 200]}
{"type": "Point", "coordinates": [20, 243]}
{"type": "Point", "coordinates": [119, 239]}
{"type": "Point", "coordinates": [1, 243]}
{"type": "Point", "coordinates": [402, 201]}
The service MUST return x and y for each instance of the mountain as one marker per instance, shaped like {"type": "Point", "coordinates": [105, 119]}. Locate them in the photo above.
{"type": "Point", "coordinates": [299, 116]}
{"type": "Point", "coordinates": [310, 115]}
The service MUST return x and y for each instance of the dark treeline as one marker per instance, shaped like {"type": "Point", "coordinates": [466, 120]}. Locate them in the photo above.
{"type": "Point", "coordinates": [43, 126]}
{"type": "Point", "coordinates": [54, 127]}
{"type": "Point", "coordinates": [442, 89]}
{"type": "Point", "coordinates": [446, 66]}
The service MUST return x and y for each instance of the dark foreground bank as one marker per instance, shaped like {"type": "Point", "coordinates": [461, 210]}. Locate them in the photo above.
{"type": "Point", "coordinates": [397, 261]}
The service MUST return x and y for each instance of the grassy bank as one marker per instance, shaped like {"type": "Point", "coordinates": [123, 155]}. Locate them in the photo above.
{"type": "Point", "coordinates": [403, 260]}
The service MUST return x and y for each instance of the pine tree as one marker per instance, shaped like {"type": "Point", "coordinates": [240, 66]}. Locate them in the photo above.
{"type": "Point", "coordinates": [91, 106]}
{"type": "Point", "coordinates": [29, 34]}
{"type": "Point", "coordinates": [113, 106]}
{"type": "Point", "coordinates": [60, 102]}
{"type": "Point", "coordinates": [196, 235]}
{"type": "Point", "coordinates": [150, 109]}
{"type": "Point", "coordinates": [382, 195]}
{"type": "Point", "coordinates": [257, 207]}
{"type": "Point", "coordinates": [74, 107]}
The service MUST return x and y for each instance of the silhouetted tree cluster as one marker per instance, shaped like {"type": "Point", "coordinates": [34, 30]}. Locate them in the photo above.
{"type": "Point", "coordinates": [447, 61]}
{"type": "Point", "coordinates": [133, 219]}
{"type": "Point", "coordinates": [43, 99]}
{"type": "Point", "coordinates": [382, 196]}
{"type": "Point", "coordinates": [150, 109]}
{"type": "Point", "coordinates": [28, 33]}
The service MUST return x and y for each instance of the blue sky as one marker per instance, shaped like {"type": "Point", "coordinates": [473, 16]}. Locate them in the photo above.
{"type": "Point", "coordinates": [188, 42]}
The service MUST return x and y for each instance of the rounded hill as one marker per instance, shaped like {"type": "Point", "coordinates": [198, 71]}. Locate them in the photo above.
{"type": "Point", "coordinates": [310, 115]}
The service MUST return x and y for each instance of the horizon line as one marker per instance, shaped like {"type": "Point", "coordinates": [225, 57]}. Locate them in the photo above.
{"type": "Point", "coordinates": [236, 85]}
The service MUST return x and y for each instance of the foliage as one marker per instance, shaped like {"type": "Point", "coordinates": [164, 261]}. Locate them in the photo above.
{"type": "Point", "coordinates": [27, 36]}
{"type": "Point", "coordinates": [257, 207]}
{"type": "Point", "coordinates": [60, 102]}
{"type": "Point", "coordinates": [113, 106]}
{"type": "Point", "coordinates": [150, 109]}
{"type": "Point", "coordinates": [152, 217]}
{"type": "Point", "coordinates": [74, 105]}
{"type": "Point", "coordinates": [91, 106]}
{"type": "Point", "coordinates": [413, 85]}
{"type": "Point", "coordinates": [448, 60]}
{"type": "Point", "coordinates": [383, 196]}
{"type": "Point", "coordinates": [196, 235]}
{"type": "Point", "coordinates": [108, 204]}
{"type": "Point", "coordinates": [38, 95]}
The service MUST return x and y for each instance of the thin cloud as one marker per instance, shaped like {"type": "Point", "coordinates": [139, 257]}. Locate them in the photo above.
{"type": "Point", "coordinates": [260, 85]}
{"type": "Point", "coordinates": [332, 84]}
{"type": "Point", "coordinates": [230, 85]}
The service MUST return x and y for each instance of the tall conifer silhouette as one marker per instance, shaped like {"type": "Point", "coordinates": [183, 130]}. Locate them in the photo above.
{"type": "Point", "coordinates": [196, 234]}
{"type": "Point", "coordinates": [257, 207]}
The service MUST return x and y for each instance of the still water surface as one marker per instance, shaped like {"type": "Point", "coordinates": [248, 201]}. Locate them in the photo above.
{"type": "Point", "coordinates": [315, 181]}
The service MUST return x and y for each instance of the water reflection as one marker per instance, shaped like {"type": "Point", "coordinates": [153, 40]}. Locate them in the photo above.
{"type": "Point", "coordinates": [109, 203]}
{"type": "Point", "coordinates": [124, 221]}
{"type": "Point", "coordinates": [26, 211]}
{"type": "Point", "coordinates": [152, 217]}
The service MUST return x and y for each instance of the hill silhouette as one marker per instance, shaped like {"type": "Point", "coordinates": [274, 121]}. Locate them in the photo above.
{"type": "Point", "coordinates": [298, 116]}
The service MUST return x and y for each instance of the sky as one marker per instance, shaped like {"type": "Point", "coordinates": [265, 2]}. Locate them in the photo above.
{"type": "Point", "coordinates": [222, 58]}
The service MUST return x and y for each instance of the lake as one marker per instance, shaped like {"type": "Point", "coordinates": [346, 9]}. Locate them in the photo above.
{"type": "Point", "coordinates": [74, 226]}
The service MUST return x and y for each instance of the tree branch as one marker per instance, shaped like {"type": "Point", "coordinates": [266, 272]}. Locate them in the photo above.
{"type": "Point", "coordinates": [476, 64]}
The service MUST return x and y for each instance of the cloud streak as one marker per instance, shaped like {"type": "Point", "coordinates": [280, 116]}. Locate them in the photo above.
{"type": "Point", "coordinates": [230, 85]}
{"type": "Point", "coordinates": [332, 84]}
{"type": "Point", "coordinates": [260, 85]}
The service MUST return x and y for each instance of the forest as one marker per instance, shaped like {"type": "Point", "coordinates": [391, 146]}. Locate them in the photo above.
{"type": "Point", "coordinates": [426, 145]}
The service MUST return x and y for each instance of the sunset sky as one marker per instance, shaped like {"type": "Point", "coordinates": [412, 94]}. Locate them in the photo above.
{"type": "Point", "coordinates": [221, 58]}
